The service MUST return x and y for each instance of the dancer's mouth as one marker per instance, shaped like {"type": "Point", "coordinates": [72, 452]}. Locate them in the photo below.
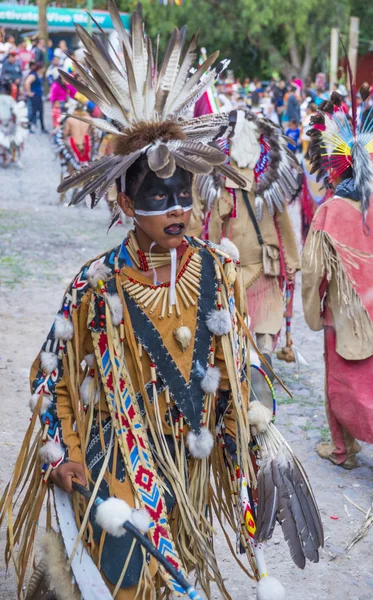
{"type": "Point", "coordinates": [175, 229]}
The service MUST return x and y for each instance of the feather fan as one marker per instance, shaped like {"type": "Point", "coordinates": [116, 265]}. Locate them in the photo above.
{"type": "Point", "coordinates": [285, 494]}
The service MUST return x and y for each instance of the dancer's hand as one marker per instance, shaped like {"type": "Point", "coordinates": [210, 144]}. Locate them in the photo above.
{"type": "Point", "coordinates": [63, 475]}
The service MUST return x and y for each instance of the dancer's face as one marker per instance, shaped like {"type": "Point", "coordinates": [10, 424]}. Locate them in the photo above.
{"type": "Point", "coordinates": [161, 209]}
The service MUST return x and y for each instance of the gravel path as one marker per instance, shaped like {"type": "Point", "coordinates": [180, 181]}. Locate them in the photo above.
{"type": "Point", "coordinates": [42, 245]}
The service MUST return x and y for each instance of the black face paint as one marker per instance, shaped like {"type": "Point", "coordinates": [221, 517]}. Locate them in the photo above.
{"type": "Point", "coordinates": [157, 196]}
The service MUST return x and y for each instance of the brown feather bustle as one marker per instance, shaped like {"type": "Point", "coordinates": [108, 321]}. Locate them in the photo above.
{"type": "Point", "coordinates": [144, 133]}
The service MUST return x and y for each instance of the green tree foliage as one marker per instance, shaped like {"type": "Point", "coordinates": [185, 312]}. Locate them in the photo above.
{"type": "Point", "coordinates": [259, 36]}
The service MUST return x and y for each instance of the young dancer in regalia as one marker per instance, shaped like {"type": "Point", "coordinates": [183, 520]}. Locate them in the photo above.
{"type": "Point", "coordinates": [142, 383]}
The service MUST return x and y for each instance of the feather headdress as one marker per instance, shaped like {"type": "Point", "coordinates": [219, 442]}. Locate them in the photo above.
{"type": "Point", "coordinates": [339, 143]}
{"type": "Point", "coordinates": [258, 144]}
{"type": "Point", "coordinates": [146, 106]}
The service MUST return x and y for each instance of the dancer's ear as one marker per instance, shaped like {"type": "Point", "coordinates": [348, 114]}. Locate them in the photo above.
{"type": "Point", "coordinates": [126, 204]}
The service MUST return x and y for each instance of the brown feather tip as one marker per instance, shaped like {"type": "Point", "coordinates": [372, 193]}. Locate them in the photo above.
{"type": "Point", "coordinates": [365, 91]}
{"type": "Point", "coordinates": [144, 133]}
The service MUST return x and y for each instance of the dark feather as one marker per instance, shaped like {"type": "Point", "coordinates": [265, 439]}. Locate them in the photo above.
{"type": "Point", "coordinates": [87, 173]}
{"type": "Point", "coordinates": [232, 174]}
{"type": "Point", "coordinates": [286, 516]}
{"type": "Point", "coordinates": [267, 503]}
{"type": "Point", "coordinates": [193, 164]}
{"type": "Point", "coordinates": [213, 155]}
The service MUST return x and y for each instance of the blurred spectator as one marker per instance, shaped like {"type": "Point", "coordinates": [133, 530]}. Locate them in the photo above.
{"type": "Point", "coordinates": [60, 52]}
{"type": "Point", "coordinates": [34, 91]}
{"type": "Point", "coordinates": [257, 94]}
{"type": "Point", "coordinates": [52, 71]}
{"type": "Point", "coordinates": [25, 56]}
{"type": "Point", "coordinates": [293, 132]}
{"type": "Point", "coordinates": [50, 50]}
{"type": "Point", "coordinates": [11, 69]}
{"type": "Point", "coordinates": [292, 108]}
{"type": "Point", "coordinates": [39, 50]}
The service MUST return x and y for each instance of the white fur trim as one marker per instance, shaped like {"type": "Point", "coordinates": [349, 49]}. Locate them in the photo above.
{"type": "Point", "coordinates": [211, 380]}
{"type": "Point", "coordinates": [219, 322]}
{"type": "Point", "coordinates": [116, 308]}
{"type": "Point", "coordinates": [254, 358]}
{"type": "Point", "coordinates": [259, 417]}
{"type": "Point", "coordinates": [96, 271]}
{"type": "Point", "coordinates": [63, 328]}
{"type": "Point", "coordinates": [244, 146]}
{"type": "Point", "coordinates": [89, 392]}
{"type": "Point", "coordinates": [48, 361]}
{"type": "Point", "coordinates": [183, 335]}
{"type": "Point", "coordinates": [111, 514]}
{"type": "Point", "coordinates": [89, 359]}
{"type": "Point", "coordinates": [57, 571]}
{"type": "Point", "coordinates": [200, 445]}
{"type": "Point", "coordinates": [45, 403]}
{"type": "Point", "coordinates": [51, 453]}
{"type": "Point", "coordinates": [141, 519]}
{"type": "Point", "coordinates": [230, 248]}
{"type": "Point", "coordinates": [270, 588]}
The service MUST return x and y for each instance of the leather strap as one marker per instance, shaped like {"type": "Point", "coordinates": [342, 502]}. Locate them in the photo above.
{"type": "Point", "coordinates": [252, 217]}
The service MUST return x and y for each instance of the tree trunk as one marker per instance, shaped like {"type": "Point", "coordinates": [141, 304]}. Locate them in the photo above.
{"type": "Point", "coordinates": [294, 53]}
{"type": "Point", "coordinates": [307, 62]}
{"type": "Point", "coordinates": [43, 24]}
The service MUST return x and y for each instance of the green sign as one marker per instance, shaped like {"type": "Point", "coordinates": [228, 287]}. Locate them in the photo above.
{"type": "Point", "coordinates": [61, 19]}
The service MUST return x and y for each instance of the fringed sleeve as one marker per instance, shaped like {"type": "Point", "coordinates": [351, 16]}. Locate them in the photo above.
{"type": "Point", "coordinates": [313, 276]}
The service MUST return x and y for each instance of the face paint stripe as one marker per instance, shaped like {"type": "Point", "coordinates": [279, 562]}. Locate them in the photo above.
{"type": "Point", "coordinates": [155, 213]}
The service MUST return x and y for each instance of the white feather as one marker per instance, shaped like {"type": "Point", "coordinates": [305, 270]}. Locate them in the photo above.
{"type": "Point", "coordinates": [48, 361]}
{"type": "Point", "coordinates": [97, 270]}
{"type": "Point", "coordinates": [45, 403]}
{"type": "Point", "coordinates": [111, 514]}
{"type": "Point", "coordinates": [270, 588]}
{"type": "Point", "coordinates": [50, 453]}
{"type": "Point", "coordinates": [116, 308]}
{"type": "Point", "coordinates": [219, 322]}
{"type": "Point", "coordinates": [88, 392]}
{"type": "Point", "coordinates": [245, 147]}
{"type": "Point", "coordinates": [141, 519]}
{"type": "Point", "coordinates": [63, 328]}
{"type": "Point", "coordinates": [259, 417]}
{"type": "Point", "coordinates": [230, 248]}
{"type": "Point", "coordinates": [211, 380]}
{"type": "Point", "coordinates": [200, 445]}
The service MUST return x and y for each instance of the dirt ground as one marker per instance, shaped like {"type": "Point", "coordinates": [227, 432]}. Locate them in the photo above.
{"type": "Point", "coordinates": [42, 246]}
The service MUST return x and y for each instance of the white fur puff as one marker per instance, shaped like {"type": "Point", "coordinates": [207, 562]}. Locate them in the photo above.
{"type": "Point", "coordinates": [219, 322]}
{"type": "Point", "coordinates": [270, 588]}
{"type": "Point", "coordinates": [259, 417]}
{"type": "Point", "coordinates": [254, 358]}
{"type": "Point", "coordinates": [116, 308]}
{"type": "Point", "coordinates": [89, 359]}
{"type": "Point", "coordinates": [45, 403]}
{"type": "Point", "coordinates": [183, 336]}
{"type": "Point", "coordinates": [96, 271]}
{"type": "Point", "coordinates": [48, 361]}
{"type": "Point", "coordinates": [111, 514]}
{"type": "Point", "coordinates": [88, 391]}
{"type": "Point", "coordinates": [51, 453]}
{"type": "Point", "coordinates": [200, 445]}
{"type": "Point", "coordinates": [230, 248]}
{"type": "Point", "coordinates": [63, 328]}
{"type": "Point", "coordinates": [141, 519]}
{"type": "Point", "coordinates": [211, 380]}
